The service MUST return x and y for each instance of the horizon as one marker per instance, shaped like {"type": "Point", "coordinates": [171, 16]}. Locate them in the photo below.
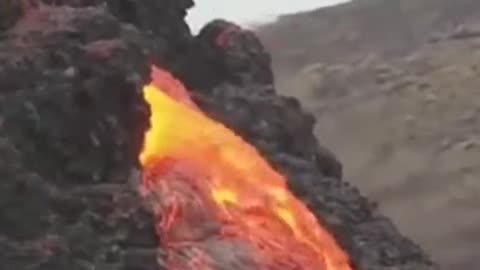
{"type": "Point", "coordinates": [246, 15]}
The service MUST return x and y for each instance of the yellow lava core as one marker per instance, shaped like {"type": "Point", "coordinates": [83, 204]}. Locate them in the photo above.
{"type": "Point", "coordinates": [240, 182]}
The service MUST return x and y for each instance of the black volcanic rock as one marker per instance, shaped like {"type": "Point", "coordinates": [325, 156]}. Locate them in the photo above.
{"type": "Point", "coordinates": [10, 11]}
{"type": "Point", "coordinates": [71, 123]}
{"type": "Point", "coordinates": [72, 120]}
{"type": "Point", "coordinates": [229, 66]}
{"type": "Point", "coordinates": [223, 52]}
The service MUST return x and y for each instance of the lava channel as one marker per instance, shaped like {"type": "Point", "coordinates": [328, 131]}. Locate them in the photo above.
{"type": "Point", "coordinates": [218, 205]}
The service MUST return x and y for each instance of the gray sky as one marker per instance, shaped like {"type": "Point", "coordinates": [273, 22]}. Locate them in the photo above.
{"type": "Point", "coordinates": [248, 11]}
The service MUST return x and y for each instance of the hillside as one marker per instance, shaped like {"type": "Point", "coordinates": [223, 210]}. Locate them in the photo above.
{"type": "Point", "coordinates": [348, 32]}
{"type": "Point", "coordinates": [395, 89]}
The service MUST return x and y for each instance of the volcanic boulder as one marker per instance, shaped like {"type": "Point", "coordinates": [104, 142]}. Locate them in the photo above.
{"type": "Point", "coordinates": [72, 121]}
{"type": "Point", "coordinates": [221, 52]}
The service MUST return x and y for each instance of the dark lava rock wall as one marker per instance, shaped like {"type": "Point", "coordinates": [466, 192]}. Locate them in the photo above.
{"type": "Point", "coordinates": [72, 120]}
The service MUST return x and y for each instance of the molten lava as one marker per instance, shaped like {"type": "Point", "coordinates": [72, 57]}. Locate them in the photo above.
{"type": "Point", "coordinates": [218, 203]}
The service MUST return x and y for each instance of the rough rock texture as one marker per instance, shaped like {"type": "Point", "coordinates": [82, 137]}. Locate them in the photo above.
{"type": "Point", "coordinates": [10, 11]}
{"type": "Point", "coordinates": [72, 119]}
{"type": "Point", "coordinates": [69, 133]}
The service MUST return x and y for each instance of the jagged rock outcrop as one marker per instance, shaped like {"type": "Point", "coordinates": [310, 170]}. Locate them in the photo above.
{"type": "Point", "coordinates": [222, 52]}
{"type": "Point", "coordinates": [70, 131]}
{"type": "Point", "coordinates": [72, 121]}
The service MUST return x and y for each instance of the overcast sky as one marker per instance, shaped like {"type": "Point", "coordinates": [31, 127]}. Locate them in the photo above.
{"type": "Point", "coordinates": [248, 11]}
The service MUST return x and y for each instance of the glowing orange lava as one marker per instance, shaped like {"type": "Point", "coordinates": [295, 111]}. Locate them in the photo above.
{"type": "Point", "coordinates": [216, 198]}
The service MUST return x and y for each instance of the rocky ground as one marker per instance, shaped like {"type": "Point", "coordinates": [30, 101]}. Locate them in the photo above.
{"type": "Point", "coordinates": [403, 121]}
{"type": "Point", "coordinates": [72, 120]}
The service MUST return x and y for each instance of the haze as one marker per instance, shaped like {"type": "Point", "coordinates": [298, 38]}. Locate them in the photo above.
{"type": "Point", "coordinates": [246, 12]}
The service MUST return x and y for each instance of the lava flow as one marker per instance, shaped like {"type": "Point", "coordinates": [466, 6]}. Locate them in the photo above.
{"type": "Point", "coordinates": [217, 203]}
